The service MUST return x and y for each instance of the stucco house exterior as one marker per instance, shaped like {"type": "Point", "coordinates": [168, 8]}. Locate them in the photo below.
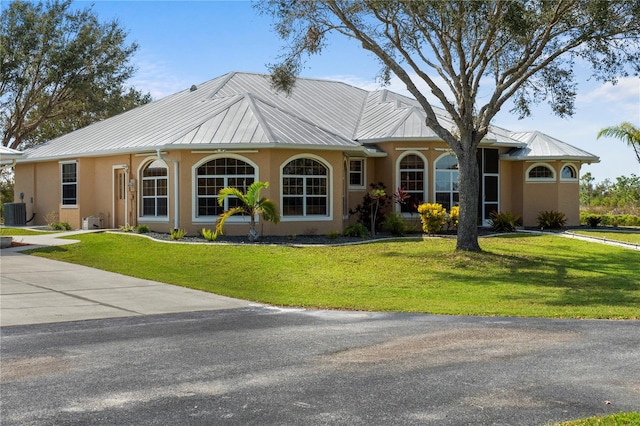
{"type": "Point", "coordinates": [162, 164]}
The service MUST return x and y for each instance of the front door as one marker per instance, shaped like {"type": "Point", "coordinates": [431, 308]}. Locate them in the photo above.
{"type": "Point", "coordinates": [120, 198]}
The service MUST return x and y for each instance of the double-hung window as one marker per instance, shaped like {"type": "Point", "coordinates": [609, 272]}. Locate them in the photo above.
{"type": "Point", "coordinates": [69, 178]}
{"type": "Point", "coordinates": [155, 195]}
{"type": "Point", "coordinates": [305, 188]}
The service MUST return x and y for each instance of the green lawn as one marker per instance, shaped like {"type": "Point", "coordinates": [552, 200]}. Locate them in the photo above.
{"type": "Point", "coordinates": [620, 419]}
{"type": "Point", "coordinates": [16, 232]}
{"type": "Point", "coordinates": [627, 237]}
{"type": "Point", "coordinates": [527, 275]}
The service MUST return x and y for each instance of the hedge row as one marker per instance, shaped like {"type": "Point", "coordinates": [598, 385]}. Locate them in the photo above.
{"type": "Point", "coordinates": [609, 219]}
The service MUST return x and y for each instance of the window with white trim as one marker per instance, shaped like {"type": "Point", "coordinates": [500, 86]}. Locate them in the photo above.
{"type": "Point", "coordinates": [412, 181]}
{"type": "Point", "coordinates": [305, 188]}
{"type": "Point", "coordinates": [155, 194]}
{"type": "Point", "coordinates": [356, 173]}
{"type": "Point", "coordinates": [568, 173]}
{"type": "Point", "coordinates": [541, 172]}
{"type": "Point", "coordinates": [447, 181]}
{"type": "Point", "coordinates": [217, 174]}
{"type": "Point", "coordinates": [69, 179]}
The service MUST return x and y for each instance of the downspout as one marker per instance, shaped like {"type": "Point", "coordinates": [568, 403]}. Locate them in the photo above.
{"type": "Point", "coordinates": [176, 191]}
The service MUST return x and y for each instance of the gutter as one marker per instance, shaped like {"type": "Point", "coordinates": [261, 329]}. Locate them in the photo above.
{"type": "Point", "coordinates": [176, 189]}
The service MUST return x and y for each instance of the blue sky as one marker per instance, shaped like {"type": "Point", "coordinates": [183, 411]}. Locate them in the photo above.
{"type": "Point", "coordinates": [189, 42]}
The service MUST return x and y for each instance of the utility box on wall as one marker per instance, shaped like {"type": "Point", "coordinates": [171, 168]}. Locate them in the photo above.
{"type": "Point", "coordinates": [89, 223]}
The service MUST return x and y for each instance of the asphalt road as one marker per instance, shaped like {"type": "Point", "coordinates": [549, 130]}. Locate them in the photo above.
{"type": "Point", "coordinates": [266, 366]}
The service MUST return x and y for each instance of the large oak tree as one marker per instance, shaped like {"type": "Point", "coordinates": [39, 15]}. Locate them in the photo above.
{"type": "Point", "coordinates": [60, 69]}
{"type": "Point", "coordinates": [473, 56]}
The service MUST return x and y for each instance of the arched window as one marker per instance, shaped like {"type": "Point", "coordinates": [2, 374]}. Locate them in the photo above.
{"type": "Point", "coordinates": [447, 181]}
{"type": "Point", "coordinates": [305, 188]}
{"type": "Point", "coordinates": [541, 172]}
{"type": "Point", "coordinates": [217, 174]}
{"type": "Point", "coordinates": [568, 173]}
{"type": "Point", "coordinates": [155, 198]}
{"type": "Point", "coordinates": [412, 181]}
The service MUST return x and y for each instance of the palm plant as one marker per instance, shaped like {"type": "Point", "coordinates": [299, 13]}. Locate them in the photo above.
{"type": "Point", "coordinates": [250, 204]}
{"type": "Point", "coordinates": [627, 132]}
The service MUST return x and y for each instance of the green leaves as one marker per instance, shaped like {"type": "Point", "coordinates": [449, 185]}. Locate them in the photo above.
{"type": "Point", "coordinates": [250, 204]}
{"type": "Point", "coordinates": [61, 69]}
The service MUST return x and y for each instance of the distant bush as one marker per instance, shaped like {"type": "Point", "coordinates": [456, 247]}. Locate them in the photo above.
{"type": "Point", "coordinates": [551, 219]}
{"type": "Point", "coordinates": [357, 230]}
{"type": "Point", "coordinates": [143, 229]}
{"type": "Point", "coordinates": [503, 222]}
{"type": "Point", "coordinates": [433, 217]}
{"type": "Point", "coordinates": [610, 219]}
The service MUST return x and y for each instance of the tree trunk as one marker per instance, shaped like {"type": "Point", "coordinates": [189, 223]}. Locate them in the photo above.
{"type": "Point", "coordinates": [468, 181]}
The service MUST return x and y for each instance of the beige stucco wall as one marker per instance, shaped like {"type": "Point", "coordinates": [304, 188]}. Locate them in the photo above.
{"type": "Point", "coordinates": [41, 182]}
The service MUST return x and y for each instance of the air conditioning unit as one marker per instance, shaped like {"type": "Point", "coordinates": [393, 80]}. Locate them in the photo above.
{"type": "Point", "coordinates": [15, 214]}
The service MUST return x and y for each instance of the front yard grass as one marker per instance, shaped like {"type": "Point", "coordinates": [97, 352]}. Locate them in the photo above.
{"type": "Point", "coordinates": [16, 232]}
{"type": "Point", "coordinates": [627, 237]}
{"type": "Point", "coordinates": [516, 275]}
{"type": "Point", "coordinates": [620, 419]}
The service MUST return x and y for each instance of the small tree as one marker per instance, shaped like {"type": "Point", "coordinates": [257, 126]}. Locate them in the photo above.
{"type": "Point", "coordinates": [250, 204]}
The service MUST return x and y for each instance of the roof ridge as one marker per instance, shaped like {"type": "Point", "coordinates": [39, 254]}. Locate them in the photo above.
{"type": "Point", "coordinates": [302, 119]}
{"type": "Point", "coordinates": [256, 111]}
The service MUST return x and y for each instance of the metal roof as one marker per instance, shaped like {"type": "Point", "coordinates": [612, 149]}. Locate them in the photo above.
{"type": "Point", "coordinates": [242, 110]}
{"type": "Point", "coordinates": [540, 146]}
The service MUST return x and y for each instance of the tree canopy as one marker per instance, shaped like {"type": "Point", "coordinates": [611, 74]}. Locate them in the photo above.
{"type": "Point", "coordinates": [60, 69]}
{"type": "Point", "coordinates": [474, 57]}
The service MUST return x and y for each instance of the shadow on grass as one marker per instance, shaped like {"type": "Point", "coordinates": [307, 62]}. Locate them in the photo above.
{"type": "Point", "coordinates": [565, 277]}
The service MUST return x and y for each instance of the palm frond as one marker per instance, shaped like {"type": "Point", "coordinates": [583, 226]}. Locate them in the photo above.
{"type": "Point", "coordinates": [231, 192]}
{"type": "Point", "coordinates": [226, 215]}
{"type": "Point", "coordinates": [268, 210]}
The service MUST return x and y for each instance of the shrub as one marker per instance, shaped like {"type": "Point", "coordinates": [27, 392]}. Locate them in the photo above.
{"type": "Point", "coordinates": [551, 219]}
{"type": "Point", "coordinates": [433, 217]}
{"type": "Point", "coordinates": [395, 224]}
{"type": "Point", "coordinates": [60, 226]}
{"type": "Point", "coordinates": [51, 218]}
{"type": "Point", "coordinates": [593, 220]}
{"type": "Point", "coordinates": [127, 228]}
{"type": "Point", "coordinates": [357, 230]}
{"type": "Point", "coordinates": [454, 217]}
{"type": "Point", "coordinates": [366, 209]}
{"type": "Point", "coordinates": [143, 229]}
{"type": "Point", "coordinates": [334, 235]}
{"type": "Point", "coordinates": [209, 235]}
{"type": "Point", "coordinates": [177, 234]}
{"type": "Point", "coordinates": [503, 222]}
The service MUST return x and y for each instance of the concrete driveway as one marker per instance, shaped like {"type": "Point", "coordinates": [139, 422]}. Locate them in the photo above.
{"type": "Point", "coordinates": [34, 290]}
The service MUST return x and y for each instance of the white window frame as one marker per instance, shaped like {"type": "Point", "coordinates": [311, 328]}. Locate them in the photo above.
{"type": "Point", "coordinates": [363, 173]}
{"type": "Point", "coordinates": [308, 218]}
{"type": "Point", "coordinates": [63, 184]}
{"type": "Point", "coordinates": [575, 170]}
{"type": "Point", "coordinates": [141, 216]}
{"type": "Point", "coordinates": [195, 218]}
{"type": "Point", "coordinates": [540, 180]}
{"type": "Point", "coordinates": [435, 180]}
{"type": "Point", "coordinates": [425, 174]}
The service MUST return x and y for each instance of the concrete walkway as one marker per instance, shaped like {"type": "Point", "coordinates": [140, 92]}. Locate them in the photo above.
{"type": "Point", "coordinates": [34, 290]}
